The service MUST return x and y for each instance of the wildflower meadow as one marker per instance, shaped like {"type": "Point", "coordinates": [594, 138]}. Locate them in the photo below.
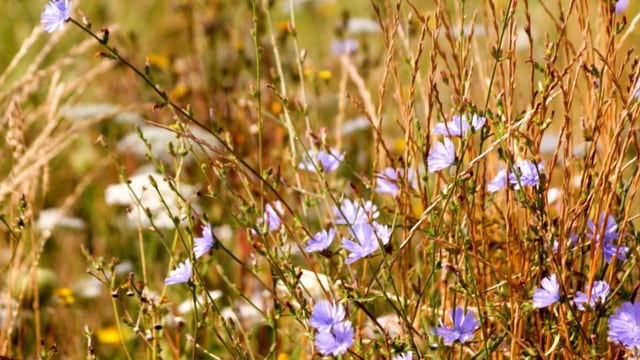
{"type": "Point", "coordinates": [307, 179]}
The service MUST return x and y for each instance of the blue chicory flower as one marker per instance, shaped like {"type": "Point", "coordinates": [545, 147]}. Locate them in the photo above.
{"type": "Point", "coordinates": [181, 274]}
{"type": "Point", "coordinates": [344, 47]}
{"type": "Point", "coordinates": [610, 233]}
{"type": "Point", "coordinates": [573, 240]}
{"type": "Point", "coordinates": [203, 244]}
{"type": "Point", "coordinates": [459, 126]}
{"type": "Point", "coordinates": [55, 14]}
{"type": "Point", "coordinates": [271, 217]}
{"type": "Point", "coordinates": [624, 326]}
{"type": "Point", "coordinates": [548, 294]}
{"type": "Point", "coordinates": [441, 156]}
{"type": "Point", "coordinates": [462, 328]}
{"type": "Point", "coordinates": [325, 315]}
{"type": "Point", "coordinates": [321, 240]}
{"type": "Point", "coordinates": [389, 181]}
{"type": "Point", "coordinates": [599, 292]}
{"type": "Point", "coordinates": [498, 182]}
{"type": "Point", "coordinates": [328, 161]}
{"type": "Point", "coordinates": [351, 212]}
{"type": "Point", "coordinates": [366, 238]}
{"type": "Point", "coordinates": [337, 340]}
{"type": "Point", "coordinates": [477, 122]}
{"type": "Point", "coordinates": [334, 334]}
{"type": "Point", "coordinates": [621, 5]}
{"type": "Point", "coordinates": [526, 173]}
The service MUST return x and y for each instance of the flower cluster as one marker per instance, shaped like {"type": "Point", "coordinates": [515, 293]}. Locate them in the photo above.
{"type": "Point", "coordinates": [367, 240]}
{"type": "Point", "coordinates": [443, 154]}
{"type": "Point", "coordinates": [624, 325]}
{"type": "Point", "coordinates": [525, 173]}
{"type": "Point", "coordinates": [352, 212]}
{"type": "Point", "coordinates": [463, 324]}
{"type": "Point", "coordinates": [201, 245]}
{"type": "Point", "coordinates": [366, 234]}
{"type": "Point", "coordinates": [550, 294]}
{"type": "Point", "coordinates": [334, 334]}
